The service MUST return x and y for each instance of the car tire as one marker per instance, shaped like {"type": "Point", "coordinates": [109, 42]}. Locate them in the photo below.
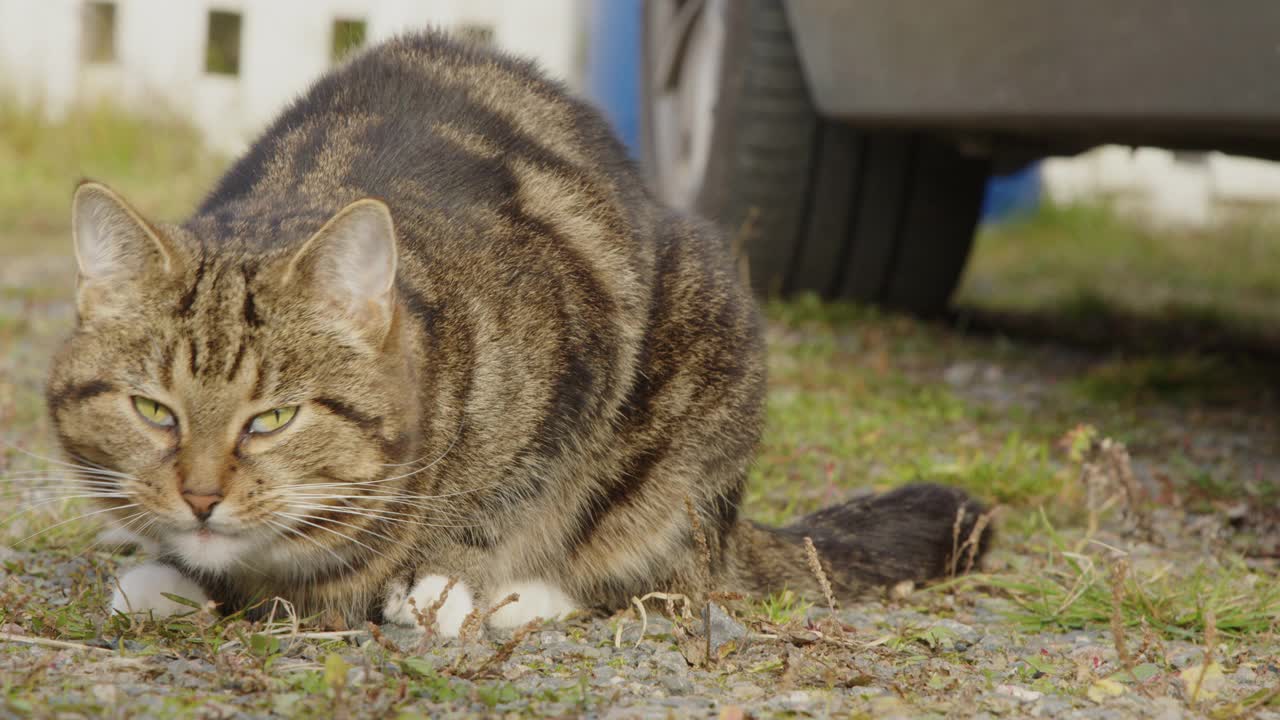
{"type": "Point", "coordinates": [877, 216]}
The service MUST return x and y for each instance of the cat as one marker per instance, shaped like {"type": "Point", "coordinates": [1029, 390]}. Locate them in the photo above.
{"type": "Point", "coordinates": [433, 330]}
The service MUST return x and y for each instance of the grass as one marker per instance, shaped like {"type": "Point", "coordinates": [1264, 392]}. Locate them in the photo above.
{"type": "Point", "coordinates": [1071, 590]}
{"type": "Point", "coordinates": [784, 608]}
{"type": "Point", "coordinates": [159, 165]}
{"type": "Point", "coordinates": [858, 399]}
{"type": "Point", "coordinates": [1080, 259]}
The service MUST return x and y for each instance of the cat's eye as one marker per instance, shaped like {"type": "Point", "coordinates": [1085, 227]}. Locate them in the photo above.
{"type": "Point", "coordinates": [154, 412]}
{"type": "Point", "coordinates": [272, 420]}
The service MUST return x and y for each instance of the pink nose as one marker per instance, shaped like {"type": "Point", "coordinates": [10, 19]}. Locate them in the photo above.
{"type": "Point", "coordinates": [202, 505]}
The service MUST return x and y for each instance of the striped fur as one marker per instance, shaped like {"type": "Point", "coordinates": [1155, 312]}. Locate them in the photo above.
{"type": "Point", "coordinates": [566, 363]}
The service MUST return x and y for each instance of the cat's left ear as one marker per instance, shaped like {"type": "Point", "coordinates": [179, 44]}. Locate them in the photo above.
{"type": "Point", "coordinates": [351, 261]}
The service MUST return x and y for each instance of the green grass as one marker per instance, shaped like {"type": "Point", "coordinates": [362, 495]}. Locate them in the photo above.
{"type": "Point", "coordinates": [158, 164]}
{"type": "Point", "coordinates": [1177, 378]}
{"type": "Point", "coordinates": [858, 399]}
{"type": "Point", "coordinates": [783, 608]}
{"type": "Point", "coordinates": [1071, 590]}
{"type": "Point", "coordinates": [1080, 259]}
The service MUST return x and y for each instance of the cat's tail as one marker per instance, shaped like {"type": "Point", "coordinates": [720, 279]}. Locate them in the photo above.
{"type": "Point", "coordinates": [917, 532]}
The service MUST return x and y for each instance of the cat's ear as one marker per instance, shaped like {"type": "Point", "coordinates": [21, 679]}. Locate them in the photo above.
{"type": "Point", "coordinates": [114, 246]}
{"type": "Point", "coordinates": [351, 262]}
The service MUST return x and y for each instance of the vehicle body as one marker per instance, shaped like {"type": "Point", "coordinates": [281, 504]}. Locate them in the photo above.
{"type": "Point", "coordinates": [848, 142]}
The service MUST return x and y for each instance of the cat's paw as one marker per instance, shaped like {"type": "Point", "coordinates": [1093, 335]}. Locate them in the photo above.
{"type": "Point", "coordinates": [142, 589]}
{"type": "Point", "coordinates": [537, 600]}
{"type": "Point", "coordinates": [425, 592]}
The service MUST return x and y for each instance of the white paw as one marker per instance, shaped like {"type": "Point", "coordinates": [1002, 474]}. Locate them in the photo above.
{"type": "Point", "coordinates": [449, 618]}
{"type": "Point", "coordinates": [537, 600]}
{"type": "Point", "coordinates": [140, 590]}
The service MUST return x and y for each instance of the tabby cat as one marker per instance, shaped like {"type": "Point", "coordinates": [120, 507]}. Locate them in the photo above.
{"type": "Point", "coordinates": [433, 327]}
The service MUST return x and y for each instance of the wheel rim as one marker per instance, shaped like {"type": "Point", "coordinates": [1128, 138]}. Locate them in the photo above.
{"type": "Point", "coordinates": [683, 107]}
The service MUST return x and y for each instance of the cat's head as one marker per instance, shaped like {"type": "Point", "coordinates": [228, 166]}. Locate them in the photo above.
{"type": "Point", "coordinates": [227, 399]}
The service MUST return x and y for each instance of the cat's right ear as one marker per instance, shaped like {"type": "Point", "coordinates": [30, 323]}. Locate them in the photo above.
{"type": "Point", "coordinates": [114, 247]}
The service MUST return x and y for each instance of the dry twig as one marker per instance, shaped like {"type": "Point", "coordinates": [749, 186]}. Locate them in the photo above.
{"type": "Point", "coordinates": [815, 567]}
{"type": "Point", "coordinates": [973, 542]}
{"type": "Point", "coordinates": [504, 651]}
{"type": "Point", "coordinates": [47, 642]}
{"type": "Point", "coordinates": [1210, 640]}
{"type": "Point", "coordinates": [704, 548]}
{"type": "Point", "coordinates": [476, 618]}
{"type": "Point", "coordinates": [954, 564]}
{"type": "Point", "coordinates": [1118, 574]}
{"type": "Point", "coordinates": [427, 618]}
{"type": "Point", "coordinates": [383, 641]}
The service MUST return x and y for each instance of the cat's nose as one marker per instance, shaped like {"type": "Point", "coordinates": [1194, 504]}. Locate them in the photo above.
{"type": "Point", "coordinates": [202, 505]}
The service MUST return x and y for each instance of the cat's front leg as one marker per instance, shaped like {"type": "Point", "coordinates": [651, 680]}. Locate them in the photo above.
{"type": "Point", "coordinates": [142, 589]}
{"type": "Point", "coordinates": [426, 590]}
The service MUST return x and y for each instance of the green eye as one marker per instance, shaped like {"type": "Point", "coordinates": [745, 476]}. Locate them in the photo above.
{"type": "Point", "coordinates": [272, 420]}
{"type": "Point", "coordinates": [153, 412]}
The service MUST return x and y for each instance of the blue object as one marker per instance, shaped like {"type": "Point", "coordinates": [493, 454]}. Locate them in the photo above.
{"type": "Point", "coordinates": [613, 66]}
{"type": "Point", "coordinates": [1009, 196]}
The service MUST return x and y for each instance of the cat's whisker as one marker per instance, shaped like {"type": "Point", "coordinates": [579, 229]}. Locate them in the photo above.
{"type": "Point", "coordinates": [92, 467]}
{"type": "Point", "coordinates": [443, 511]}
{"type": "Point", "coordinates": [146, 525]}
{"type": "Point", "coordinates": [417, 500]}
{"type": "Point", "coordinates": [59, 472]}
{"type": "Point", "coordinates": [69, 485]}
{"type": "Point", "coordinates": [303, 519]}
{"type": "Point", "coordinates": [438, 520]}
{"type": "Point", "coordinates": [66, 485]}
{"type": "Point", "coordinates": [380, 492]}
{"type": "Point", "coordinates": [95, 467]}
{"type": "Point", "coordinates": [370, 531]}
{"type": "Point", "coordinates": [385, 515]}
{"type": "Point", "coordinates": [379, 510]}
{"type": "Point", "coordinates": [371, 497]}
{"type": "Point", "coordinates": [28, 508]}
{"type": "Point", "coordinates": [36, 483]}
{"type": "Point", "coordinates": [124, 525]}
{"type": "Point", "coordinates": [310, 539]}
{"type": "Point", "coordinates": [456, 434]}
{"type": "Point", "coordinates": [60, 484]}
{"type": "Point", "coordinates": [74, 519]}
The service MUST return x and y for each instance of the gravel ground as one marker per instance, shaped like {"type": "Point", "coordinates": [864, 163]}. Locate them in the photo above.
{"type": "Point", "coordinates": [959, 650]}
{"type": "Point", "coordinates": [1047, 630]}
{"type": "Point", "coordinates": [924, 655]}
{"type": "Point", "coordinates": [1111, 594]}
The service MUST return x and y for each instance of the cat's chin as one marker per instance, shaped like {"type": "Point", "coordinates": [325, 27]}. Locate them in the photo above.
{"type": "Point", "coordinates": [212, 551]}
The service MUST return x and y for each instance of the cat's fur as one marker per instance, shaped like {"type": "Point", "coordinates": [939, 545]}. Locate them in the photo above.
{"type": "Point", "coordinates": [514, 367]}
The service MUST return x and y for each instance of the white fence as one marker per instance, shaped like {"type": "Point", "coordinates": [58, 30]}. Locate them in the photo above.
{"type": "Point", "coordinates": [230, 65]}
{"type": "Point", "coordinates": [1164, 187]}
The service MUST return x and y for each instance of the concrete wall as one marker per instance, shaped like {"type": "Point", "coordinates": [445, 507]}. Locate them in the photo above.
{"type": "Point", "coordinates": [285, 44]}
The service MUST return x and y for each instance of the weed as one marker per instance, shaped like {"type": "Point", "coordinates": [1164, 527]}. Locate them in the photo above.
{"type": "Point", "coordinates": [783, 608]}
{"type": "Point", "coordinates": [1072, 590]}
{"type": "Point", "coordinates": [1087, 262]}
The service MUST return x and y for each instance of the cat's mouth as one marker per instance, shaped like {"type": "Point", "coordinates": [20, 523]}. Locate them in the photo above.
{"type": "Point", "coordinates": [212, 548]}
